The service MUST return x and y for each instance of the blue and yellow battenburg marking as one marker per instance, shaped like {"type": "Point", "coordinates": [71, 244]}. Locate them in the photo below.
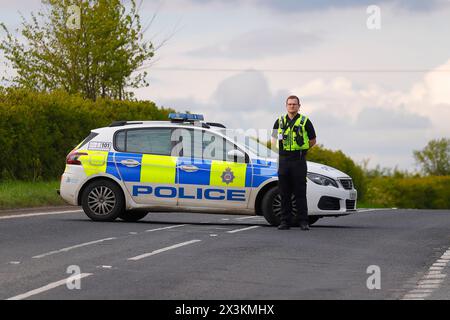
{"type": "Point", "coordinates": [165, 170]}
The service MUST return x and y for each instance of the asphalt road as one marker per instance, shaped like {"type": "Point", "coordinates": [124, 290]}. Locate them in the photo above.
{"type": "Point", "coordinates": [208, 256]}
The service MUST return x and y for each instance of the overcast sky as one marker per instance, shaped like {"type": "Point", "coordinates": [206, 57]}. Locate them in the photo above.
{"type": "Point", "coordinates": [373, 93]}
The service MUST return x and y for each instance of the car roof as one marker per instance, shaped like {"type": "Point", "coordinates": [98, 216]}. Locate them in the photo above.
{"type": "Point", "coordinates": [121, 125]}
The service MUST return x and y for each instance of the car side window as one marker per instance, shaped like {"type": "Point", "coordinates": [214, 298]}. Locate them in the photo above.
{"type": "Point", "coordinates": [149, 141]}
{"type": "Point", "coordinates": [205, 145]}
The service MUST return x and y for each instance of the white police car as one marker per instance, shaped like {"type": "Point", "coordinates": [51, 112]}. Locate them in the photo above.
{"type": "Point", "coordinates": [129, 168]}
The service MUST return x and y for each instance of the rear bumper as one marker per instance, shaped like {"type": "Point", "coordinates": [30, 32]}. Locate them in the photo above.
{"type": "Point", "coordinates": [68, 189]}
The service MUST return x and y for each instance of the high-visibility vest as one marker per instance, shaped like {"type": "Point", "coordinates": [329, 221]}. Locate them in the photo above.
{"type": "Point", "coordinates": [294, 138]}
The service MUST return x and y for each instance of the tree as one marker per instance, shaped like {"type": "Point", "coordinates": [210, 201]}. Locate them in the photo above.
{"type": "Point", "coordinates": [99, 57]}
{"type": "Point", "coordinates": [435, 157]}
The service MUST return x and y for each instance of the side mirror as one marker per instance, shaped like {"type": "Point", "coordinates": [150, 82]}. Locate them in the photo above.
{"type": "Point", "coordinates": [236, 155]}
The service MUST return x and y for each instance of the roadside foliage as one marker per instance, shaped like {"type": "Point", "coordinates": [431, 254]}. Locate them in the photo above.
{"type": "Point", "coordinates": [38, 130]}
{"type": "Point", "coordinates": [432, 192]}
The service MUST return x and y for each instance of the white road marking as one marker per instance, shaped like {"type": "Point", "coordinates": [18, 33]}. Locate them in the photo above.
{"type": "Point", "coordinates": [374, 209]}
{"type": "Point", "coordinates": [437, 268]}
{"type": "Point", "coordinates": [165, 228]}
{"type": "Point", "coordinates": [417, 295]}
{"type": "Point", "coordinates": [431, 272]}
{"type": "Point", "coordinates": [420, 291]}
{"type": "Point", "coordinates": [439, 264]}
{"type": "Point", "coordinates": [431, 280]}
{"type": "Point", "coordinates": [434, 276]}
{"type": "Point", "coordinates": [145, 255]}
{"type": "Point", "coordinates": [213, 235]}
{"type": "Point", "coordinates": [246, 218]}
{"type": "Point", "coordinates": [38, 214]}
{"type": "Point", "coordinates": [72, 247]}
{"type": "Point", "coordinates": [245, 229]}
{"type": "Point", "coordinates": [50, 286]}
{"type": "Point", "coordinates": [14, 262]}
{"type": "Point", "coordinates": [428, 286]}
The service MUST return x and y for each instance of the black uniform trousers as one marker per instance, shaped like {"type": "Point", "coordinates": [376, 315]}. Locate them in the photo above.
{"type": "Point", "coordinates": [292, 172]}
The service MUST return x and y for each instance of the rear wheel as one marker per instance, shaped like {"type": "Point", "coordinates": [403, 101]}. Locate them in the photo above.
{"type": "Point", "coordinates": [103, 200]}
{"type": "Point", "coordinates": [271, 208]}
{"type": "Point", "coordinates": [133, 215]}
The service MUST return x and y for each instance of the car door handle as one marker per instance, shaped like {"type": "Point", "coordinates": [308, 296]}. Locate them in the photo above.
{"type": "Point", "coordinates": [130, 163]}
{"type": "Point", "coordinates": [189, 168]}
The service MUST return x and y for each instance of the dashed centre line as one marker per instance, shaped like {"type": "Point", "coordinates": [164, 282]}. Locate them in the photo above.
{"type": "Point", "coordinates": [244, 229]}
{"type": "Point", "coordinates": [146, 255]}
{"type": "Point", "coordinates": [246, 218]}
{"type": "Point", "coordinates": [81, 245]}
{"type": "Point", "coordinates": [165, 228]}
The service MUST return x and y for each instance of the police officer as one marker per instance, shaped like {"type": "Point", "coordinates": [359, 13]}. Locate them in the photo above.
{"type": "Point", "coordinates": [295, 135]}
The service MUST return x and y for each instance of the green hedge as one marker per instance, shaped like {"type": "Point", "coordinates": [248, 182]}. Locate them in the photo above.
{"type": "Point", "coordinates": [416, 193]}
{"type": "Point", "coordinates": [37, 130]}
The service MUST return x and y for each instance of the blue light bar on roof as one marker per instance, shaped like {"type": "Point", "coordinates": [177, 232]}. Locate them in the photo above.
{"type": "Point", "coordinates": [186, 117]}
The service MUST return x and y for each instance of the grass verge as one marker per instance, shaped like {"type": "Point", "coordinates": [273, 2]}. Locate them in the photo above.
{"type": "Point", "coordinates": [20, 194]}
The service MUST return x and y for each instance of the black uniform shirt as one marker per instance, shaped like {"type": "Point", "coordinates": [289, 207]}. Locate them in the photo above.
{"type": "Point", "coordinates": [309, 129]}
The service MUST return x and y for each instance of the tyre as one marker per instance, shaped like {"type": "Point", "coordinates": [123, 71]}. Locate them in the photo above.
{"type": "Point", "coordinates": [103, 200]}
{"type": "Point", "coordinates": [133, 215]}
{"type": "Point", "coordinates": [271, 208]}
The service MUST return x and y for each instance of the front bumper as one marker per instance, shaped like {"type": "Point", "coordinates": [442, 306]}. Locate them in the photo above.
{"type": "Point", "coordinates": [329, 201]}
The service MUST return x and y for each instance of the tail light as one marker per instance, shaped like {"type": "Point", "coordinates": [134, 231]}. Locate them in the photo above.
{"type": "Point", "coordinates": [73, 158]}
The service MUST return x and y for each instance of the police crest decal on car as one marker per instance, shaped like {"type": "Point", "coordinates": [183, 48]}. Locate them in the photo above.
{"type": "Point", "coordinates": [228, 176]}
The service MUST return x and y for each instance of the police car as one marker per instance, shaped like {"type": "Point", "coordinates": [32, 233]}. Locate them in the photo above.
{"type": "Point", "coordinates": [129, 168]}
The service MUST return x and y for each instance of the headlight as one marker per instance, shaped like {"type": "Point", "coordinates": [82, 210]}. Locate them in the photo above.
{"type": "Point", "coordinates": [322, 180]}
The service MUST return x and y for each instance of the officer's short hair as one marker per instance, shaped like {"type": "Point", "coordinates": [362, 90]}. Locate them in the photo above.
{"type": "Point", "coordinates": [293, 97]}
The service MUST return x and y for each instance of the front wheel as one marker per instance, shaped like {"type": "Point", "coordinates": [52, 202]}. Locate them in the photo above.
{"type": "Point", "coordinates": [271, 209]}
{"type": "Point", "coordinates": [103, 200]}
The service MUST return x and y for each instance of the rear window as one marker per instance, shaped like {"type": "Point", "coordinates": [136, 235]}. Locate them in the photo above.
{"type": "Point", "coordinates": [91, 136]}
{"type": "Point", "coordinates": [149, 141]}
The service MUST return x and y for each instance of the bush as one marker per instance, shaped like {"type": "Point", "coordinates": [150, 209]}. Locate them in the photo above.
{"type": "Point", "coordinates": [416, 193]}
{"type": "Point", "coordinates": [37, 130]}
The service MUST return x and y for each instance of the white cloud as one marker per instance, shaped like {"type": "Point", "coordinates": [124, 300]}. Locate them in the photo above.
{"type": "Point", "coordinates": [261, 43]}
